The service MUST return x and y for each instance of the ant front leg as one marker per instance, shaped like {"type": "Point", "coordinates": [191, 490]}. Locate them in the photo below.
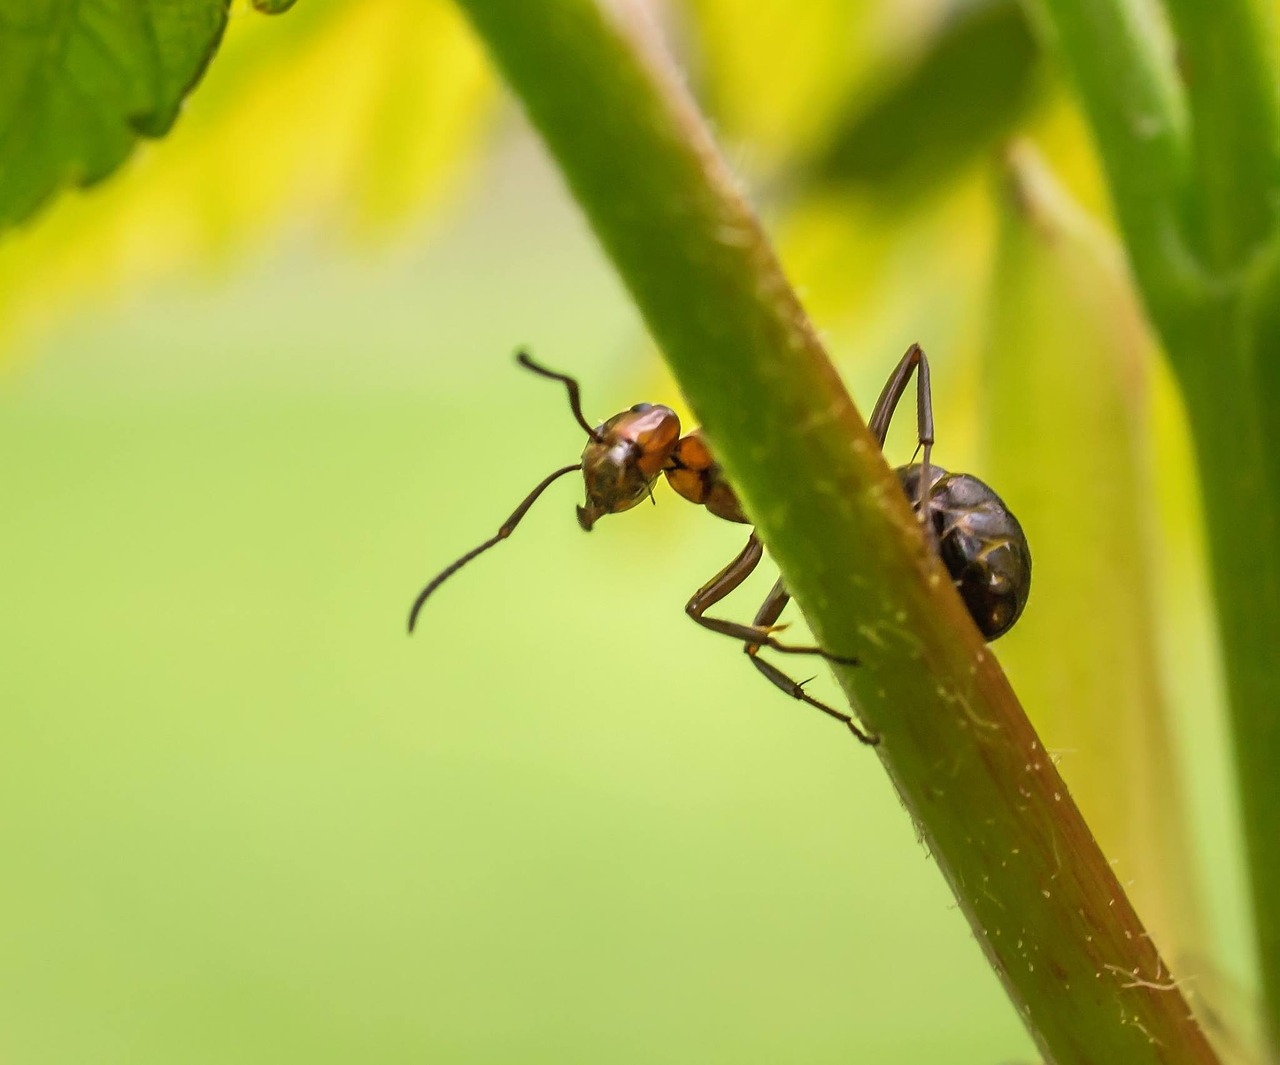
{"type": "Point", "coordinates": [765, 618]}
{"type": "Point", "coordinates": [722, 584]}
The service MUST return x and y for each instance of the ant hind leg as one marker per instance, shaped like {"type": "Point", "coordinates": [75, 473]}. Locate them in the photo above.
{"type": "Point", "coordinates": [769, 613]}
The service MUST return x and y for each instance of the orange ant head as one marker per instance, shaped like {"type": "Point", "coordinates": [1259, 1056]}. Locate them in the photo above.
{"type": "Point", "coordinates": [624, 457]}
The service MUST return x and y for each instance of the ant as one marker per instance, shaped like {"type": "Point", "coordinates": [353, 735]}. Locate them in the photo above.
{"type": "Point", "coordinates": [977, 537]}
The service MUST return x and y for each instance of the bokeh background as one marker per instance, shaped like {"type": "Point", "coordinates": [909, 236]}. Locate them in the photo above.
{"type": "Point", "coordinates": [258, 387]}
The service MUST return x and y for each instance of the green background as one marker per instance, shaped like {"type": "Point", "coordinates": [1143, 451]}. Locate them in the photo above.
{"type": "Point", "coordinates": [246, 818]}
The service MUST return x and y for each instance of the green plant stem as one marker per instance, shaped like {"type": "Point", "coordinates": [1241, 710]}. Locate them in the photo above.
{"type": "Point", "coordinates": [1210, 288]}
{"type": "Point", "coordinates": [1236, 452]}
{"type": "Point", "coordinates": [1139, 119]}
{"type": "Point", "coordinates": [1224, 54]}
{"type": "Point", "coordinates": [1223, 367]}
{"type": "Point", "coordinates": [1043, 902]}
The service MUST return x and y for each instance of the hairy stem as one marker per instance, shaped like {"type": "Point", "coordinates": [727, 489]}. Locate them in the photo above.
{"type": "Point", "coordinates": [1043, 902]}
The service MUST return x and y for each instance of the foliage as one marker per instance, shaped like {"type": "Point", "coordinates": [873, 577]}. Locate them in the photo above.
{"type": "Point", "coordinates": [80, 82]}
{"type": "Point", "coordinates": [396, 94]}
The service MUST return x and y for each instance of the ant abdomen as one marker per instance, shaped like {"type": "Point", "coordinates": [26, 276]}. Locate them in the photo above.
{"type": "Point", "coordinates": [981, 544]}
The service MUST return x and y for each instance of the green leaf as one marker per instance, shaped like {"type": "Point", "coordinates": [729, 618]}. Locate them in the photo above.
{"type": "Point", "coordinates": [362, 118]}
{"type": "Point", "coordinates": [81, 80]}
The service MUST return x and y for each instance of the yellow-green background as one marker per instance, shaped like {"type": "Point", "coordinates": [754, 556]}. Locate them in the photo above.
{"type": "Point", "coordinates": [253, 400]}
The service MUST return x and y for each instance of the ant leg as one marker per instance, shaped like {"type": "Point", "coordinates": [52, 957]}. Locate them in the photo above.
{"type": "Point", "coordinates": [570, 383]}
{"type": "Point", "coordinates": [722, 584]}
{"type": "Point", "coordinates": [768, 613]}
{"type": "Point", "coordinates": [888, 403]}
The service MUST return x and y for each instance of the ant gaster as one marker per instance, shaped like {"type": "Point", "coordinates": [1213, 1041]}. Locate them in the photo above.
{"type": "Point", "coordinates": [979, 540]}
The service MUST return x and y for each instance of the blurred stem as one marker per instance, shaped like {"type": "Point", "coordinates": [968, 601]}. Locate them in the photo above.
{"type": "Point", "coordinates": [1127, 86]}
{"type": "Point", "coordinates": [1237, 442]}
{"type": "Point", "coordinates": [987, 798]}
{"type": "Point", "coordinates": [1209, 275]}
{"type": "Point", "coordinates": [1224, 55]}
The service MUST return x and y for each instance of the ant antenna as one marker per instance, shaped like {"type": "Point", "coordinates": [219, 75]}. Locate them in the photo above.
{"type": "Point", "coordinates": [575, 401]}
{"type": "Point", "coordinates": [508, 527]}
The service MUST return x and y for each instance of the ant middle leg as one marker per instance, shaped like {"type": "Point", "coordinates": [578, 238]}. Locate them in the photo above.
{"type": "Point", "coordinates": [722, 584]}
{"type": "Point", "coordinates": [765, 618]}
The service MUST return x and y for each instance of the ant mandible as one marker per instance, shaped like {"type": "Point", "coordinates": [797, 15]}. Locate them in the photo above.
{"type": "Point", "coordinates": [977, 537]}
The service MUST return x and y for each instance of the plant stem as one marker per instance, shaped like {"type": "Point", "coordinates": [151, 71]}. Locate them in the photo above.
{"type": "Point", "coordinates": [1224, 55]}
{"type": "Point", "coordinates": [1043, 902]}
{"type": "Point", "coordinates": [1237, 442]}
{"type": "Point", "coordinates": [1139, 118]}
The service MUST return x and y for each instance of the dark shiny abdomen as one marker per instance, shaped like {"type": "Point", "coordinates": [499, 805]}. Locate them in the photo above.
{"type": "Point", "coordinates": [981, 544]}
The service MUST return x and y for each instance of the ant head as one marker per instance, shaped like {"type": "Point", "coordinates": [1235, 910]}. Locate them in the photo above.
{"type": "Point", "coordinates": [624, 457]}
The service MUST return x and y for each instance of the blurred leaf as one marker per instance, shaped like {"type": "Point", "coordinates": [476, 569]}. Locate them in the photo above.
{"type": "Point", "coordinates": [344, 115]}
{"type": "Point", "coordinates": [878, 281]}
{"type": "Point", "coordinates": [1067, 388]}
{"type": "Point", "coordinates": [819, 53]}
{"type": "Point", "coordinates": [968, 90]}
{"type": "Point", "coordinates": [79, 82]}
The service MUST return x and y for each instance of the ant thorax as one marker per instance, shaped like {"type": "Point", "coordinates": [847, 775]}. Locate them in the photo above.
{"type": "Point", "coordinates": [694, 473]}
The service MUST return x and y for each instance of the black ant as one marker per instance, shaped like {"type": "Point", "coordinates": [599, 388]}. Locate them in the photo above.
{"type": "Point", "coordinates": [978, 539]}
